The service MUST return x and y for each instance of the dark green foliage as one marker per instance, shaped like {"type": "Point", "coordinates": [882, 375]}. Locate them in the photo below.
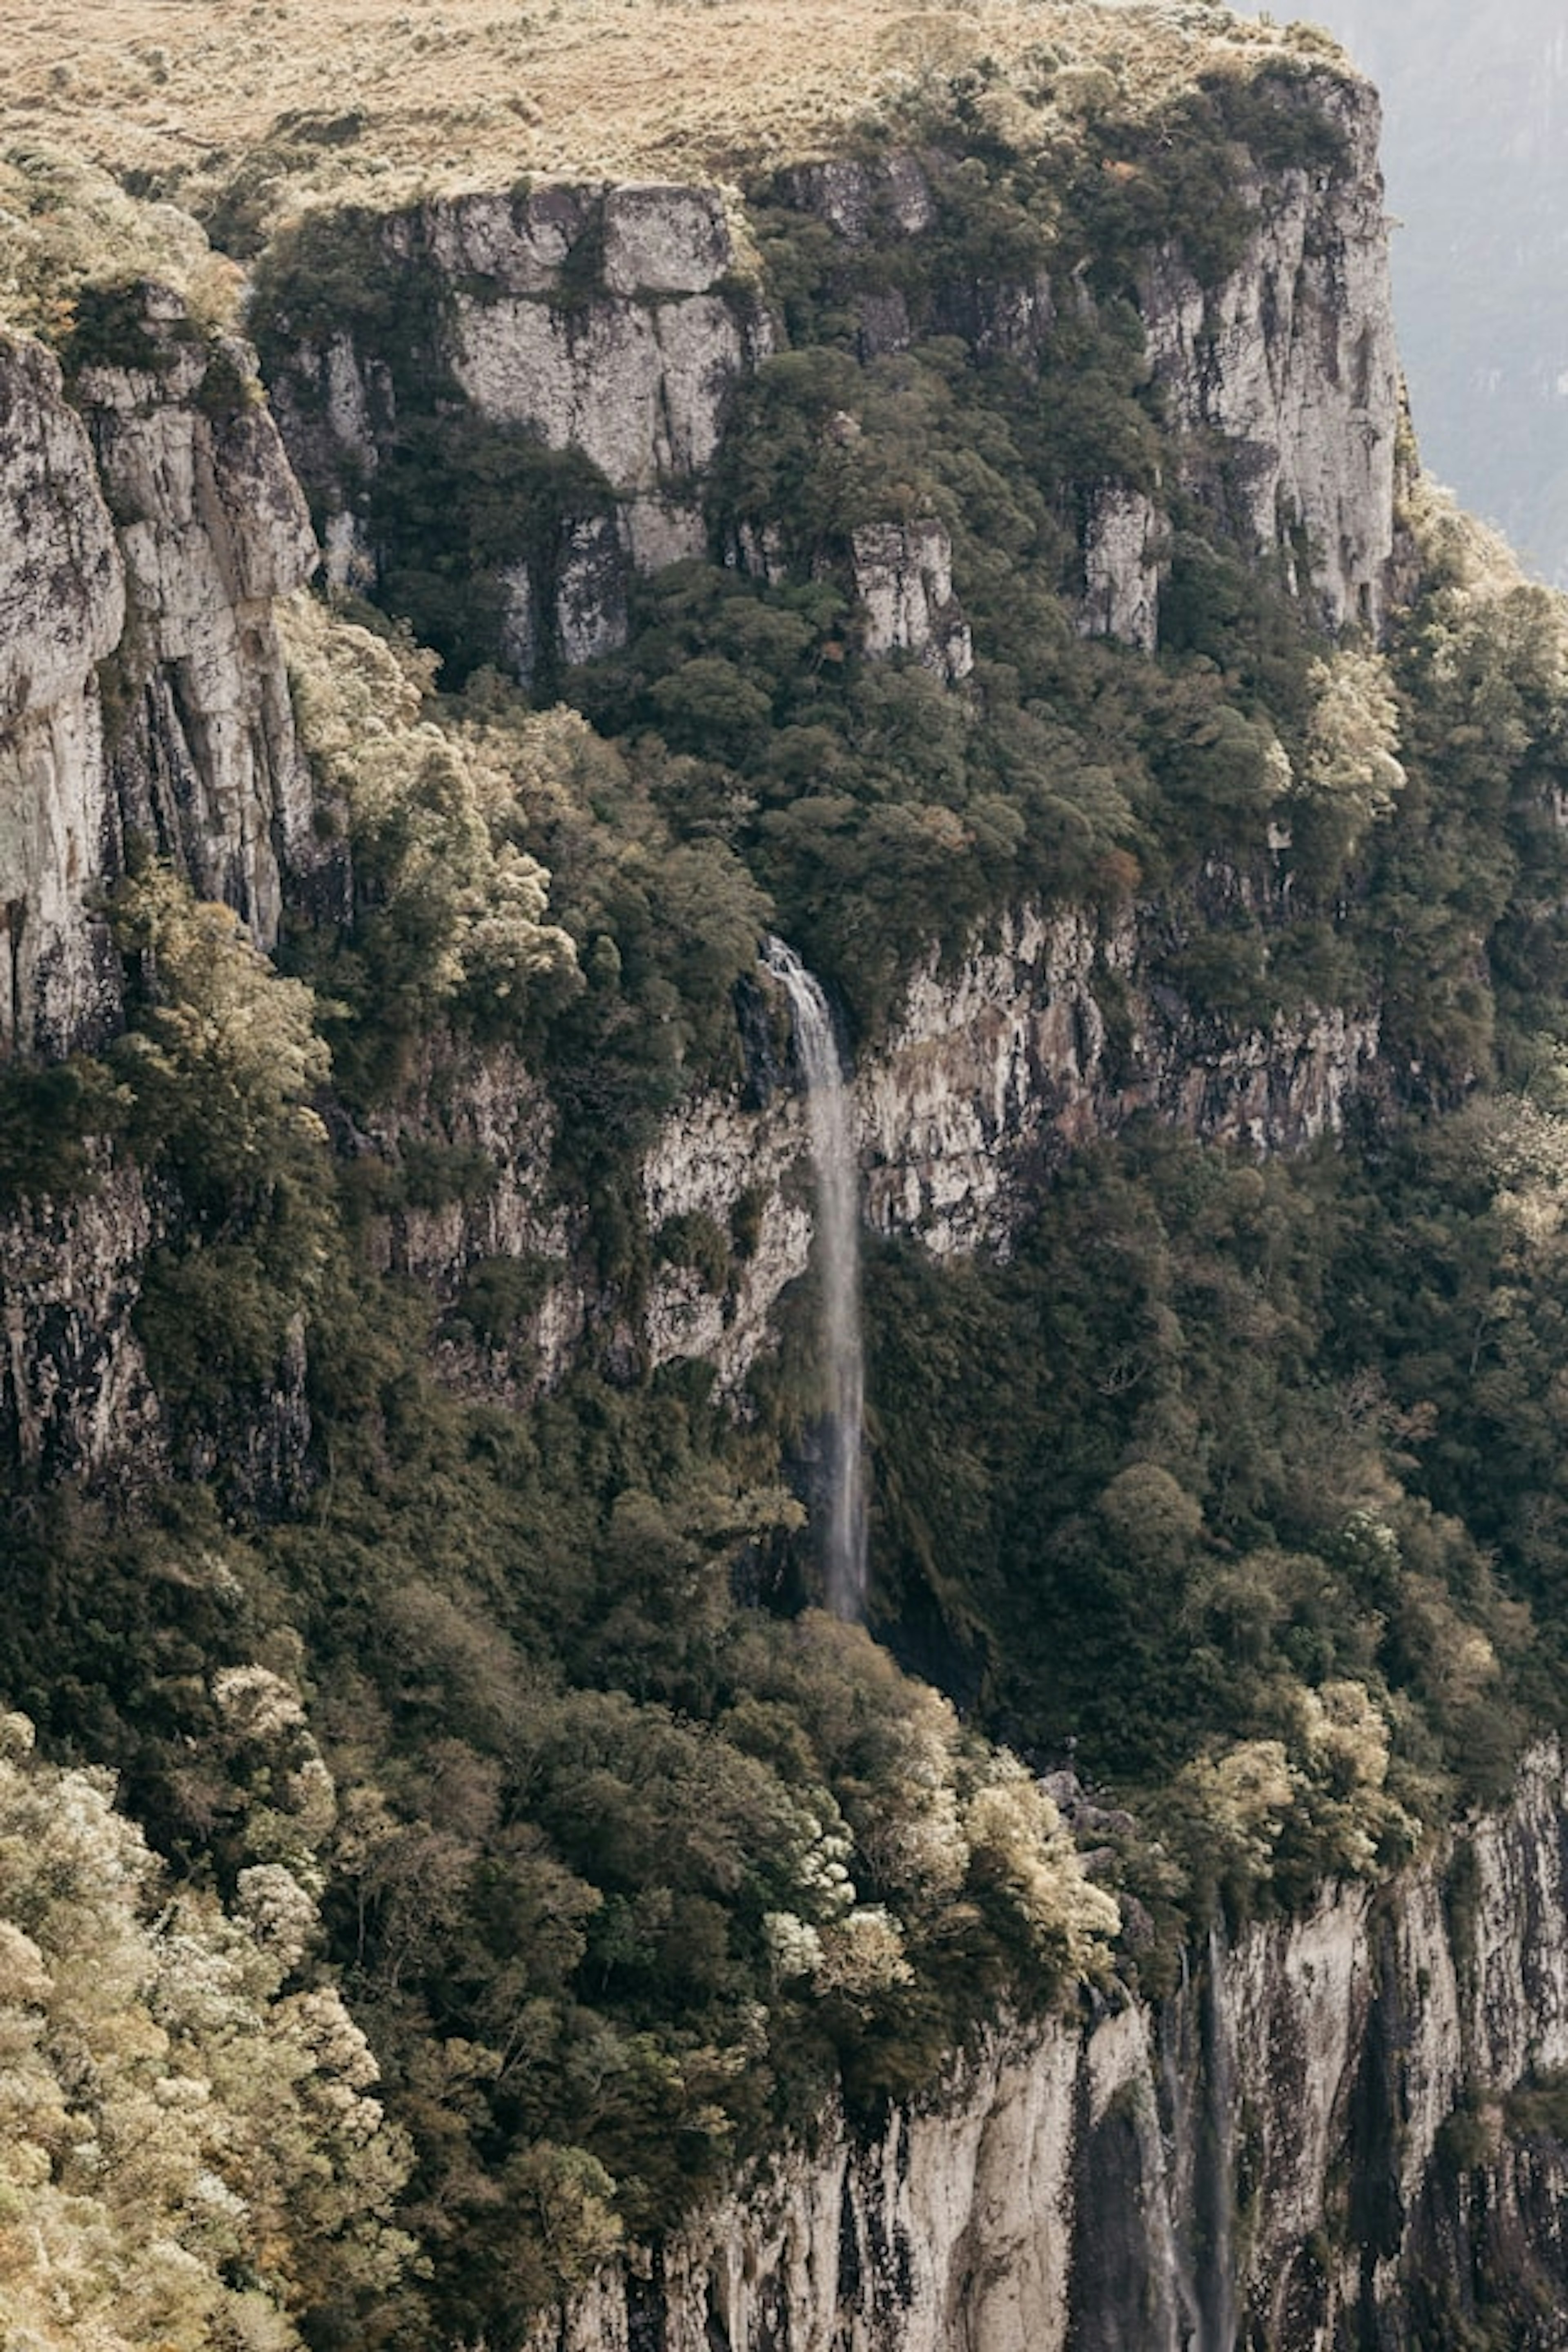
{"type": "Point", "coordinates": [455, 501]}
{"type": "Point", "coordinates": [1238, 1484]}
{"type": "Point", "coordinates": [109, 328]}
{"type": "Point", "coordinates": [1149, 1441]}
{"type": "Point", "coordinates": [55, 1120]}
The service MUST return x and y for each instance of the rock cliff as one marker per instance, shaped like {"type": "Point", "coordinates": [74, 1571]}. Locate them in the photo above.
{"type": "Point", "coordinates": [1284, 379]}
{"type": "Point", "coordinates": [64, 601]}
{"type": "Point", "coordinates": [609, 323]}
{"type": "Point", "coordinates": [1045, 1034]}
{"type": "Point", "coordinates": [1332, 2114]}
{"type": "Point", "coordinates": [150, 521]}
{"type": "Point", "coordinates": [614, 323]}
{"type": "Point", "coordinates": [1323, 2138]}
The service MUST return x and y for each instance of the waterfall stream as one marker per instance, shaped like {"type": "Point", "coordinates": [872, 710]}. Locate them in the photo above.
{"type": "Point", "coordinates": [1199, 2096]}
{"type": "Point", "coordinates": [838, 1245]}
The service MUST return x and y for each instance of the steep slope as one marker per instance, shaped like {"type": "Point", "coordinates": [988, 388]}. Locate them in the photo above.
{"type": "Point", "coordinates": [982, 549]}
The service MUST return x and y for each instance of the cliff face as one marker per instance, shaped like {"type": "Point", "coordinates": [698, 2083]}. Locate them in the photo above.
{"type": "Point", "coordinates": [150, 522]}
{"type": "Point", "coordinates": [603, 321]}
{"type": "Point", "coordinates": [1322, 2122]}
{"type": "Point", "coordinates": [1054, 1031]}
{"type": "Point", "coordinates": [1285, 378]}
{"type": "Point", "coordinates": [614, 323]}
{"type": "Point", "coordinates": [1315, 2142]}
{"type": "Point", "coordinates": [609, 326]}
{"type": "Point", "coordinates": [63, 596]}
{"type": "Point", "coordinates": [211, 529]}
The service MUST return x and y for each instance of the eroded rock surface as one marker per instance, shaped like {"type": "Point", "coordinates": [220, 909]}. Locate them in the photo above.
{"type": "Point", "coordinates": [1196, 2173]}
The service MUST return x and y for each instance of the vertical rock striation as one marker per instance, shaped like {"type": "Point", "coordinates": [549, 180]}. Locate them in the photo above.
{"type": "Point", "coordinates": [1164, 2176]}
{"type": "Point", "coordinates": [1284, 379]}
{"type": "Point", "coordinates": [62, 608]}
{"type": "Point", "coordinates": [213, 529]}
{"type": "Point", "coordinates": [149, 523]}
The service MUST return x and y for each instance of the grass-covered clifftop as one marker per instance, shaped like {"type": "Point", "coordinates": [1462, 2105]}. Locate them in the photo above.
{"type": "Point", "coordinates": [260, 109]}
{"type": "Point", "coordinates": [1237, 1482]}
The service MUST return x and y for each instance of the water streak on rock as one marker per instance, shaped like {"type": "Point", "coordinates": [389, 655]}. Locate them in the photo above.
{"type": "Point", "coordinates": [838, 1241]}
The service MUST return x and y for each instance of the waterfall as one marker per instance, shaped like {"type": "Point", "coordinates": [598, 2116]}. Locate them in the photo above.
{"type": "Point", "coordinates": [838, 1245]}
{"type": "Point", "coordinates": [1199, 2095]}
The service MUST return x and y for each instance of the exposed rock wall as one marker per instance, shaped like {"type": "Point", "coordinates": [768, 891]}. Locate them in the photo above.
{"type": "Point", "coordinates": [614, 322]}
{"type": "Point", "coordinates": [213, 527]}
{"type": "Point", "coordinates": [74, 1390]}
{"type": "Point", "coordinates": [62, 608]}
{"type": "Point", "coordinates": [1187, 2174]}
{"type": "Point", "coordinates": [1049, 1032]}
{"type": "Point", "coordinates": [146, 526]}
{"type": "Point", "coordinates": [608, 321]}
{"type": "Point", "coordinates": [1056, 1030]}
{"type": "Point", "coordinates": [1285, 378]}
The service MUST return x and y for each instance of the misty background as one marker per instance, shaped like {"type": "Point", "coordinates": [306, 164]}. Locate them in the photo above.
{"type": "Point", "coordinates": [1476, 161]}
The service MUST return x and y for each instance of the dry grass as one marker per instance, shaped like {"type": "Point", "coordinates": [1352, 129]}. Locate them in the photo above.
{"type": "Point", "coordinates": [475, 91]}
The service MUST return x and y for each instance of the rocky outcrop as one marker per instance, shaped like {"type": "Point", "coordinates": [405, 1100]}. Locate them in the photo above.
{"type": "Point", "coordinates": [716, 1161]}
{"type": "Point", "coordinates": [1280, 379]}
{"type": "Point", "coordinates": [1124, 544]}
{"type": "Point", "coordinates": [75, 1396]}
{"type": "Point", "coordinates": [903, 585]}
{"type": "Point", "coordinates": [1284, 379]}
{"type": "Point", "coordinates": [62, 608]}
{"type": "Point", "coordinates": [466, 1156]}
{"type": "Point", "coordinates": [608, 321]}
{"type": "Point", "coordinates": [612, 323]}
{"type": "Point", "coordinates": [147, 524]}
{"type": "Point", "coordinates": [1278, 2155]}
{"type": "Point", "coordinates": [1053, 1030]}
{"type": "Point", "coordinates": [1058, 1029]}
{"type": "Point", "coordinates": [212, 526]}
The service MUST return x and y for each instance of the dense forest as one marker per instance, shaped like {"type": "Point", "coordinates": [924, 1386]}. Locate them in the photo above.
{"type": "Point", "coordinates": [442, 1835]}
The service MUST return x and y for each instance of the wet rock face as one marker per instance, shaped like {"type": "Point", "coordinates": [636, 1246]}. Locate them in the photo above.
{"type": "Point", "coordinates": [1054, 1032]}
{"type": "Point", "coordinates": [1196, 2174]}
{"type": "Point", "coordinates": [1048, 1032]}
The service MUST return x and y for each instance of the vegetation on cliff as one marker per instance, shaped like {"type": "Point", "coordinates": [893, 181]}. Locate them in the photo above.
{"type": "Point", "coordinates": [494, 1709]}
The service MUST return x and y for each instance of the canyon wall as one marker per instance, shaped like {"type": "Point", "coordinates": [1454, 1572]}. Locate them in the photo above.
{"type": "Point", "coordinates": [1331, 2135]}
{"type": "Point", "coordinates": [150, 521]}
{"type": "Point", "coordinates": [1332, 2117]}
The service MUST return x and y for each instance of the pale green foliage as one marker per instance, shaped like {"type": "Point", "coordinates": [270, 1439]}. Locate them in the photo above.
{"type": "Point", "coordinates": [226, 1057]}
{"type": "Point", "coordinates": [1321, 1790]}
{"type": "Point", "coordinates": [794, 1946]}
{"type": "Point", "coordinates": [1352, 740]}
{"type": "Point", "coordinates": [432, 813]}
{"type": "Point", "coordinates": [279, 1786]}
{"type": "Point", "coordinates": [65, 225]}
{"type": "Point", "coordinates": [1018, 1843]}
{"type": "Point", "coordinates": [1344, 1744]}
{"type": "Point", "coordinates": [565, 2193]}
{"type": "Point", "coordinates": [171, 2117]}
{"type": "Point", "coordinates": [938, 1820]}
{"type": "Point", "coordinates": [862, 1956]}
{"type": "Point", "coordinates": [1237, 1802]}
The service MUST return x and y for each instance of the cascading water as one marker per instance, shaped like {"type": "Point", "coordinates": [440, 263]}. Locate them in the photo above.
{"type": "Point", "coordinates": [1198, 2086]}
{"type": "Point", "coordinates": [838, 1244]}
